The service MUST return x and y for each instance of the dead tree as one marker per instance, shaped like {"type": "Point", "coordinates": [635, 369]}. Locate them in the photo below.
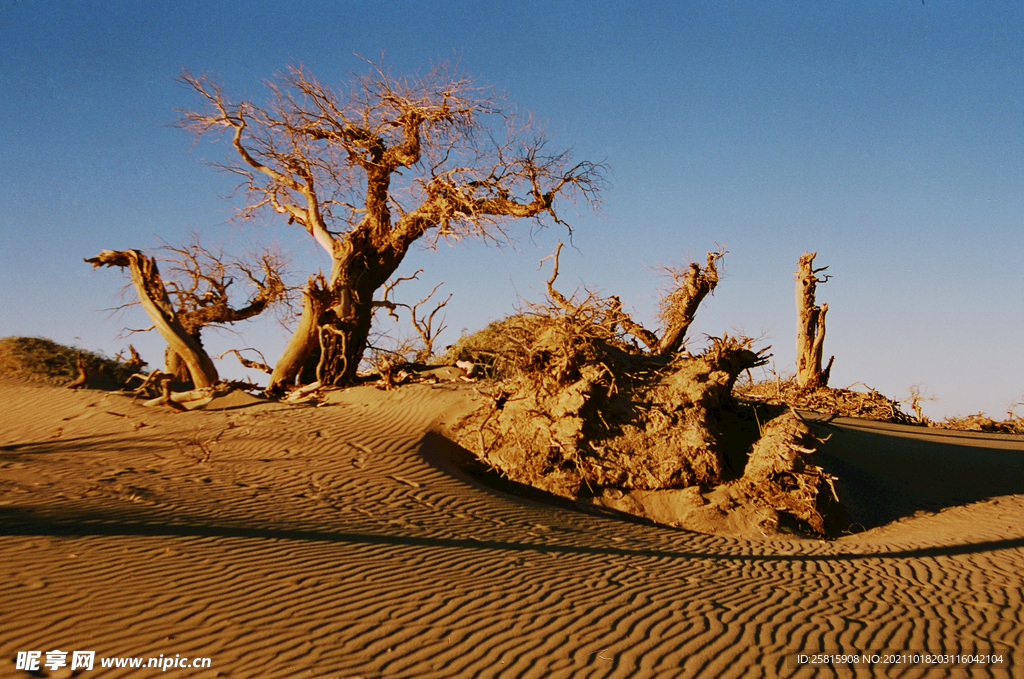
{"type": "Point", "coordinates": [810, 326]}
{"type": "Point", "coordinates": [369, 170]}
{"type": "Point", "coordinates": [154, 299]}
{"type": "Point", "coordinates": [425, 325]}
{"type": "Point", "coordinates": [678, 306]}
{"type": "Point", "coordinates": [195, 296]}
{"type": "Point", "coordinates": [384, 358]}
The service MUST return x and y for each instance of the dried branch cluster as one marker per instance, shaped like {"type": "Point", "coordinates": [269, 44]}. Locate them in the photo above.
{"type": "Point", "coordinates": [1013, 424]}
{"type": "Point", "coordinates": [200, 279]}
{"type": "Point", "coordinates": [847, 402]}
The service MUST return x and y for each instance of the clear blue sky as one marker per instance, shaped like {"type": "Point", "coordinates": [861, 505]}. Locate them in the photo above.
{"type": "Point", "coordinates": [888, 136]}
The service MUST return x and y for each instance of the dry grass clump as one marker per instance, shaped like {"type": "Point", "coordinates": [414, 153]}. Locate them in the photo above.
{"type": "Point", "coordinates": [846, 402]}
{"type": "Point", "coordinates": [496, 349]}
{"type": "Point", "coordinates": [43, 360]}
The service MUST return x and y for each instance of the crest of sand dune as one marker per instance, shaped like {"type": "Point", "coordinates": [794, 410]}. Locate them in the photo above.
{"type": "Point", "coordinates": [351, 539]}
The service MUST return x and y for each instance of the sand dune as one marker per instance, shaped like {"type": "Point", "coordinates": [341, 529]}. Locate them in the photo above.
{"type": "Point", "coordinates": [348, 540]}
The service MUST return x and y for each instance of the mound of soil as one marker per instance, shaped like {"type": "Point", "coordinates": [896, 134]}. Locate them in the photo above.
{"type": "Point", "coordinates": [586, 416]}
{"type": "Point", "coordinates": [42, 360]}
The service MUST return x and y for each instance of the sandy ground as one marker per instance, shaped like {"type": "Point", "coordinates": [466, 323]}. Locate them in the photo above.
{"type": "Point", "coordinates": [347, 540]}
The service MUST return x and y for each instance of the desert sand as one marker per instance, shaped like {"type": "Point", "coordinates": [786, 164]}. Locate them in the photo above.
{"type": "Point", "coordinates": [349, 539]}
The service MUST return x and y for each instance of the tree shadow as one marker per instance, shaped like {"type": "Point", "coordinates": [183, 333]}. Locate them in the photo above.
{"type": "Point", "coordinates": [18, 521]}
{"type": "Point", "coordinates": [84, 444]}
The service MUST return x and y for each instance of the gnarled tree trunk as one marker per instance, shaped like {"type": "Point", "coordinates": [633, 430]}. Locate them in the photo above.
{"type": "Point", "coordinates": [303, 340]}
{"type": "Point", "coordinates": [153, 296]}
{"type": "Point", "coordinates": [680, 306]}
{"type": "Point", "coordinates": [810, 326]}
{"type": "Point", "coordinates": [336, 319]}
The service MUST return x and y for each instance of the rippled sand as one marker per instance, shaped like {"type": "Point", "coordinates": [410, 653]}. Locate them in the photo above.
{"type": "Point", "coordinates": [347, 540]}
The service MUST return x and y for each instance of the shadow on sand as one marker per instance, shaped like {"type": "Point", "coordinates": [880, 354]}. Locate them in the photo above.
{"type": "Point", "coordinates": [20, 521]}
{"type": "Point", "coordinates": [888, 472]}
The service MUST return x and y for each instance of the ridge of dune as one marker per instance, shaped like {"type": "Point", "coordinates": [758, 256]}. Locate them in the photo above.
{"type": "Point", "coordinates": [346, 540]}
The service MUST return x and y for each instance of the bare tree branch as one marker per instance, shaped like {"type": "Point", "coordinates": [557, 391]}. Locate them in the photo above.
{"type": "Point", "coordinates": [425, 326]}
{"type": "Point", "coordinates": [200, 280]}
{"type": "Point", "coordinates": [255, 365]}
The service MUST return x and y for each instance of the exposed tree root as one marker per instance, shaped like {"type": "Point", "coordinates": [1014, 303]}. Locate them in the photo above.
{"type": "Point", "coordinates": [82, 374]}
{"type": "Point", "coordinates": [780, 477]}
